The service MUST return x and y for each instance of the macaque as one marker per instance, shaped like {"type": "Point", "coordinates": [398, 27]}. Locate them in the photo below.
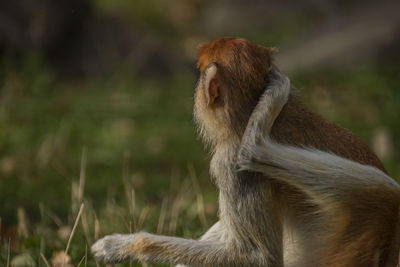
{"type": "Point", "coordinates": [284, 202]}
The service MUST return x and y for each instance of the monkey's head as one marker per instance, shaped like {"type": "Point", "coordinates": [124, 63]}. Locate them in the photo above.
{"type": "Point", "coordinates": [233, 75]}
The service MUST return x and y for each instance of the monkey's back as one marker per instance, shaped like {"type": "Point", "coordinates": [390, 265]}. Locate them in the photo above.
{"type": "Point", "coordinates": [298, 126]}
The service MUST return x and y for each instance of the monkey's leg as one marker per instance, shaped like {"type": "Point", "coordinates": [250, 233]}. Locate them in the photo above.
{"type": "Point", "coordinates": [147, 247]}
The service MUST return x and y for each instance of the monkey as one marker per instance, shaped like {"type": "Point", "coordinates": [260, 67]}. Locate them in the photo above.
{"type": "Point", "coordinates": [266, 220]}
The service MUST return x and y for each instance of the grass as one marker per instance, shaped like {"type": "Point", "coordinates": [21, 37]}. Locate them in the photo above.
{"type": "Point", "coordinates": [125, 147]}
{"type": "Point", "coordinates": [118, 130]}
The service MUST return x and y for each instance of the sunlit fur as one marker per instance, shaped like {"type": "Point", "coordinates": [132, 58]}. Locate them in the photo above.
{"type": "Point", "coordinates": [212, 123]}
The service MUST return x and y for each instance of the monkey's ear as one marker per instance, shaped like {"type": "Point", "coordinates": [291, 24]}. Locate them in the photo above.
{"type": "Point", "coordinates": [212, 84]}
{"type": "Point", "coordinates": [213, 90]}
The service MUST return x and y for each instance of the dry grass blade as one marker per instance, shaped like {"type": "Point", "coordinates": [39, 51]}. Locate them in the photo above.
{"type": "Point", "coordinates": [51, 215]}
{"type": "Point", "coordinates": [132, 205]}
{"type": "Point", "coordinates": [129, 190]}
{"type": "Point", "coordinates": [86, 255]}
{"type": "Point", "coordinates": [175, 180]}
{"type": "Point", "coordinates": [22, 223]}
{"type": "Point", "coordinates": [44, 259]}
{"type": "Point", "coordinates": [161, 218]}
{"type": "Point", "coordinates": [142, 218]}
{"type": "Point", "coordinates": [130, 231]}
{"type": "Point", "coordinates": [184, 196]}
{"type": "Point", "coordinates": [131, 199]}
{"type": "Point", "coordinates": [82, 174]}
{"type": "Point", "coordinates": [80, 262]}
{"type": "Point", "coordinates": [8, 251]}
{"type": "Point", "coordinates": [85, 226]}
{"type": "Point", "coordinates": [199, 196]}
{"type": "Point", "coordinates": [97, 227]}
{"type": "Point", "coordinates": [74, 228]}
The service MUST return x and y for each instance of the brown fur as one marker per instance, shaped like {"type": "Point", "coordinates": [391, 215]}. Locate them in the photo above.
{"type": "Point", "coordinates": [298, 126]}
{"type": "Point", "coordinates": [244, 68]}
{"type": "Point", "coordinates": [366, 227]}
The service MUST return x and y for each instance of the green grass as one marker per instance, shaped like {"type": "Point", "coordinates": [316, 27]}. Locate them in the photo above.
{"type": "Point", "coordinates": [139, 136]}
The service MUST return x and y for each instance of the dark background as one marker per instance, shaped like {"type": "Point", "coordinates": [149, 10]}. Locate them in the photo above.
{"type": "Point", "coordinates": [96, 106]}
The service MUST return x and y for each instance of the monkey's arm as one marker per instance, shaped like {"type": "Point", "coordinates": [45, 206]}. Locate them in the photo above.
{"type": "Point", "coordinates": [266, 111]}
{"type": "Point", "coordinates": [117, 248]}
{"type": "Point", "coordinates": [148, 247]}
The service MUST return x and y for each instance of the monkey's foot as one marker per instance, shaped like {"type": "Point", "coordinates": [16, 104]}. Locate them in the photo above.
{"type": "Point", "coordinates": [113, 248]}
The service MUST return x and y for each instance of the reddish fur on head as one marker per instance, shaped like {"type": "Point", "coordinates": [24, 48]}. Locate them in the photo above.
{"type": "Point", "coordinates": [247, 62]}
{"type": "Point", "coordinates": [228, 51]}
{"type": "Point", "coordinates": [241, 76]}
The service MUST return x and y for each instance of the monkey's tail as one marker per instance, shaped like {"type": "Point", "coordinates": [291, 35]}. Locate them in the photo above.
{"type": "Point", "coordinates": [348, 191]}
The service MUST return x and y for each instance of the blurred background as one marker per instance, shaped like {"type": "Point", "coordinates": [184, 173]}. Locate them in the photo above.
{"type": "Point", "coordinates": [96, 108]}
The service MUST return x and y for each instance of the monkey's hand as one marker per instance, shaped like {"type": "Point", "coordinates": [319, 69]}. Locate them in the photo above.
{"type": "Point", "coordinates": [117, 247]}
{"type": "Point", "coordinates": [265, 113]}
